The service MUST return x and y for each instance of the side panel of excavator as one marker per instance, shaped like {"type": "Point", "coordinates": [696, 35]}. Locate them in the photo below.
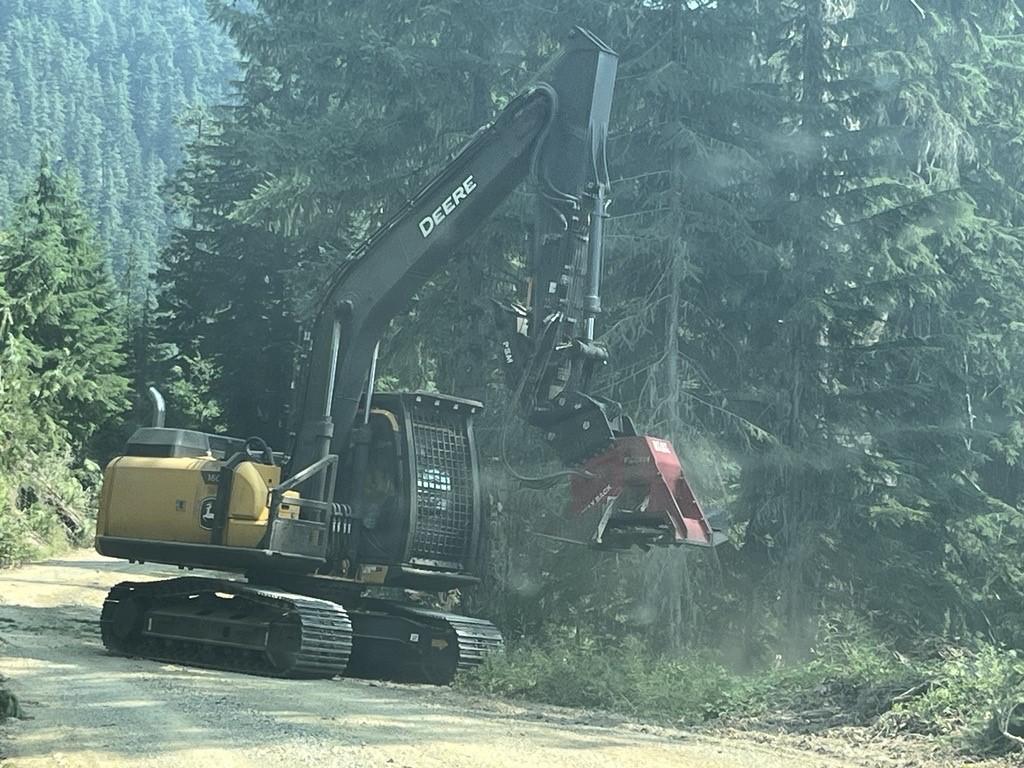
{"type": "Point", "coordinates": [171, 500]}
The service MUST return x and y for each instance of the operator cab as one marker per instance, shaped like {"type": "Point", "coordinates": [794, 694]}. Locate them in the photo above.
{"type": "Point", "coordinates": [421, 504]}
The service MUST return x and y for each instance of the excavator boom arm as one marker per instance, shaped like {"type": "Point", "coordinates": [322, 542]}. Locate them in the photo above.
{"type": "Point", "coordinates": [379, 280]}
{"type": "Point", "coordinates": [565, 114]}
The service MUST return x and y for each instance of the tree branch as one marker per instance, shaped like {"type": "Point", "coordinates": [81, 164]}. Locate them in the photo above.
{"type": "Point", "coordinates": [1004, 726]}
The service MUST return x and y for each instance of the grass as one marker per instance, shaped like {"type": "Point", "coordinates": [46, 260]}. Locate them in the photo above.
{"type": "Point", "coordinates": [971, 696]}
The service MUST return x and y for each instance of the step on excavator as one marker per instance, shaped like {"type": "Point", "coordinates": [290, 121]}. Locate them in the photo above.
{"type": "Point", "coordinates": [383, 489]}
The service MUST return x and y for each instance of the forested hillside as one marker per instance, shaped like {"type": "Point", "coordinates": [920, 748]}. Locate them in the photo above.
{"type": "Point", "coordinates": [814, 287]}
{"type": "Point", "coordinates": [108, 89]}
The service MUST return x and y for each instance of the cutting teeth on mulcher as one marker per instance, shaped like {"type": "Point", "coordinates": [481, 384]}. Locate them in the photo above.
{"type": "Point", "coordinates": [241, 627]}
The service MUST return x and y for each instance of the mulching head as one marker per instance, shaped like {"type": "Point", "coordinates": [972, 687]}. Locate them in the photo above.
{"type": "Point", "coordinates": [637, 495]}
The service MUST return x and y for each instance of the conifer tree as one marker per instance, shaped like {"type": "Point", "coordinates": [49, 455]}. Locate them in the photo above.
{"type": "Point", "coordinates": [59, 302]}
{"type": "Point", "coordinates": [101, 83]}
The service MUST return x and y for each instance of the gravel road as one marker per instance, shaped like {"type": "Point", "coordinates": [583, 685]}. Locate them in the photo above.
{"type": "Point", "coordinates": [88, 708]}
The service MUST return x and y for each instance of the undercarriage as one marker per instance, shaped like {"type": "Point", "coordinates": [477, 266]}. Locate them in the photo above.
{"type": "Point", "coordinates": [255, 629]}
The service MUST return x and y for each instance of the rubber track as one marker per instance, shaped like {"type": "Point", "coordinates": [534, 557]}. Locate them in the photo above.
{"type": "Point", "coordinates": [325, 645]}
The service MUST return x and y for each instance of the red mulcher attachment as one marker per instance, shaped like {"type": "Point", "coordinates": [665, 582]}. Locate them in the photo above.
{"type": "Point", "coordinates": [637, 491]}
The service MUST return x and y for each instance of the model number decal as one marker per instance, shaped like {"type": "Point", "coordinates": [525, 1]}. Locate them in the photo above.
{"type": "Point", "coordinates": [447, 206]}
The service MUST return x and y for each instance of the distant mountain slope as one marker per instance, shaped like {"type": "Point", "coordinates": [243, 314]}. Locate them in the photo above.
{"type": "Point", "coordinates": [101, 86]}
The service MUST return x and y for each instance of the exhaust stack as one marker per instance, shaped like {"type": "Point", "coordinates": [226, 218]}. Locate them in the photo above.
{"type": "Point", "coordinates": [159, 407]}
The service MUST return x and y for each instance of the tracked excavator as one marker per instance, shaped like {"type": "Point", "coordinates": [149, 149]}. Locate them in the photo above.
{"type": "Point", "coordinates": [382, 489]}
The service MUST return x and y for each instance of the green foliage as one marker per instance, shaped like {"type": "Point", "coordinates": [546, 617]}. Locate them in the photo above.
{"type": "Point", "coordinates": [612, 676]}
{"type": "Point", "coordinates": [46, 494]}
{"type": "Point", "coordinates": [61, 363]}
{"type": "Point", "coordinates": [848, 672]}
{"type": "Point", "coordinates": [46, 504]}
{"type": "Point", "coordinates": [192, 378]}
{"type": "Point", "coordinates": [59, 303]}
{"type": "Point", "coordinates": [968, 693]}
{"type": "Point", "coordinates": [106, 89]}
{"type": "Point", "coordinates": [101, 85]}
{"type": "Point", "coordinates": [851, 676]}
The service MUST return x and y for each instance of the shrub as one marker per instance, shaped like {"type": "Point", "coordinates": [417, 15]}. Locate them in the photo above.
{"type": "Point", "coordinates": [9, 706]}
{"type": "Point", "coordinates": [974, 695]}
{"type": "Point", "coordinates": [850, 676]}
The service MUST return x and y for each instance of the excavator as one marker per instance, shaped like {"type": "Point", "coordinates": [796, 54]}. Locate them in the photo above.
{"type": "Point", "coordinates": [380, 493]}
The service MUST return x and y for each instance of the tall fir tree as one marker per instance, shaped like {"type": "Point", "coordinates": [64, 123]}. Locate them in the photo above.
{"type": "Point", "coordinates": [60, 309]}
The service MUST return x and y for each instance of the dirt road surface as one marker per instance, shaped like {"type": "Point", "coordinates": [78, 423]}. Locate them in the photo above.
{"type": "Point", "coordinates": [90, 709]}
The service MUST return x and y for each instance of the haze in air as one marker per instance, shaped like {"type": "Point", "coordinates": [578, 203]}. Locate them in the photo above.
{"type": "Point", "coordinates": [809, 245]}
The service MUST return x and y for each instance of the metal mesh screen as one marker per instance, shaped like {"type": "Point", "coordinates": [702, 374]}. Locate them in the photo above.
{"type": "Point", "coordinates": [444, 488]}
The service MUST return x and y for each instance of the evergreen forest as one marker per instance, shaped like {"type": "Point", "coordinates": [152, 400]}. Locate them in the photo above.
{"type": "Point", "coordinates": [813, 286]}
